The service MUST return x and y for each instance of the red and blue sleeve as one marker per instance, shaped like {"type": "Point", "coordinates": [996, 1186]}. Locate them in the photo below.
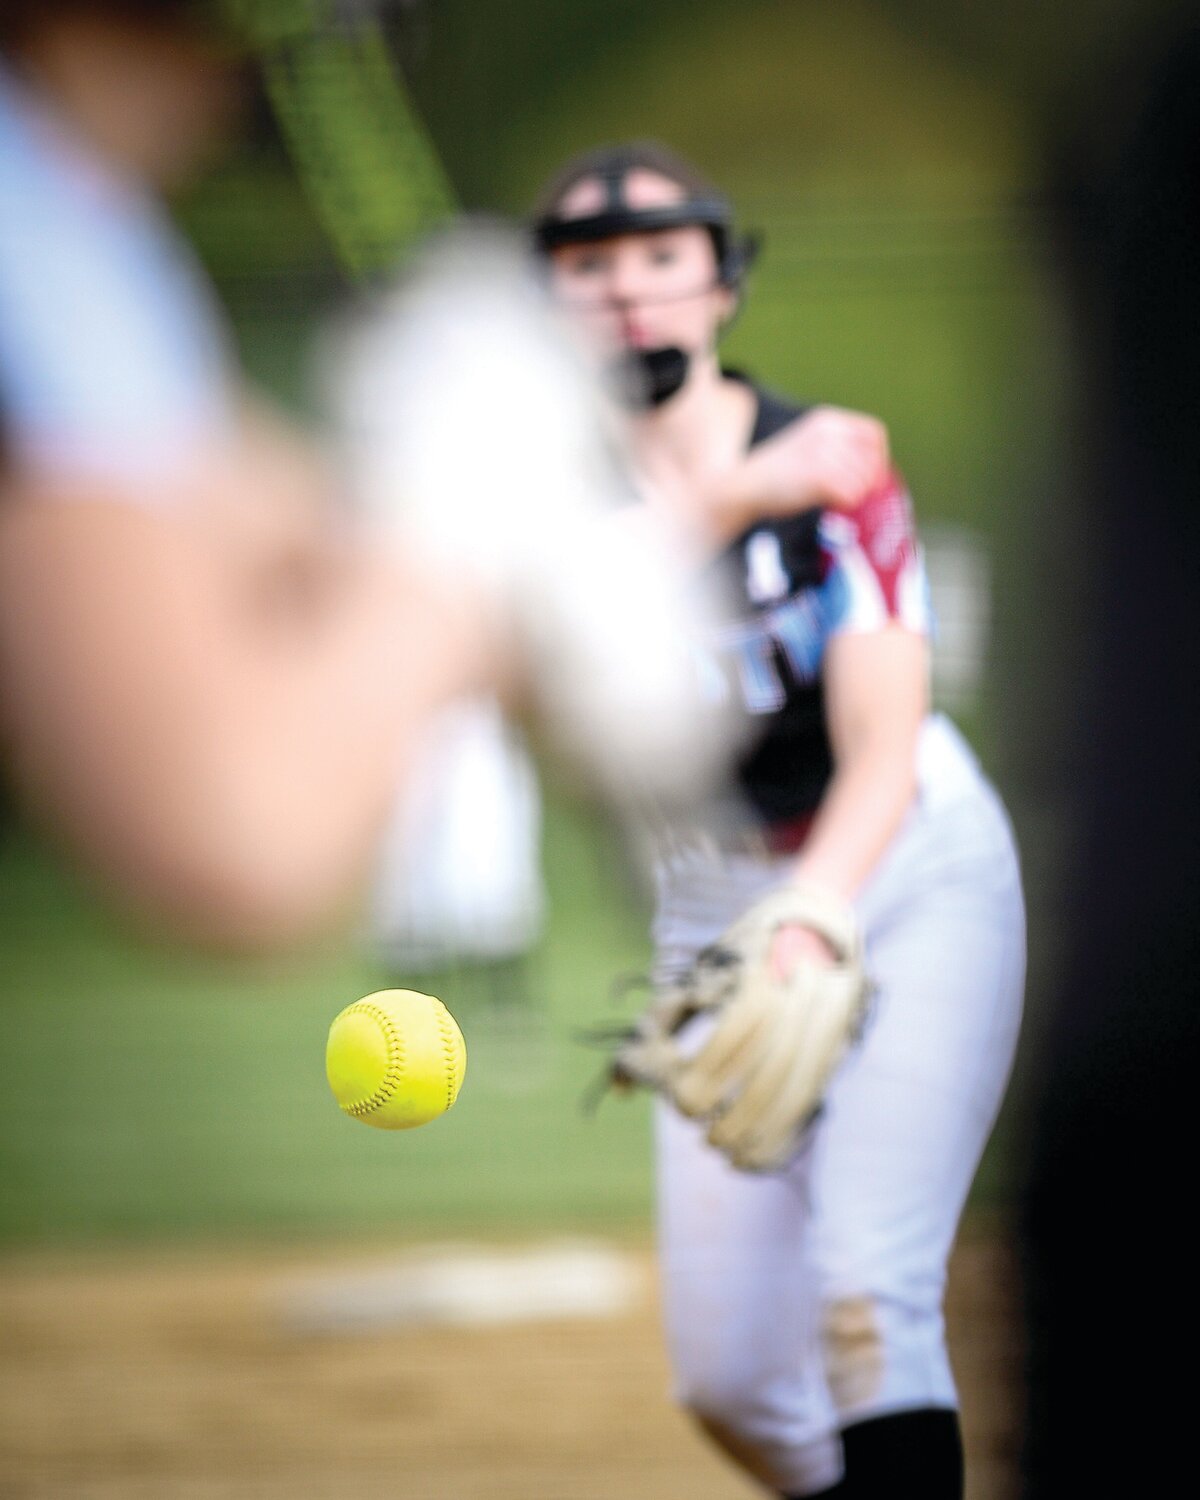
{"type": "Point", "coordinates": [872, 568]}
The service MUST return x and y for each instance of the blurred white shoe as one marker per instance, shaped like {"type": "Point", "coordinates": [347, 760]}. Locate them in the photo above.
{"type": "Point", "coordinates": [474, 432]}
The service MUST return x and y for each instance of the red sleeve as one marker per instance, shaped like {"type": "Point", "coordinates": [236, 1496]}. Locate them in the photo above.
{"type": "Point", "coordinates": [872, 566]}
{"type": "Point", "coordinates": [883, 531]}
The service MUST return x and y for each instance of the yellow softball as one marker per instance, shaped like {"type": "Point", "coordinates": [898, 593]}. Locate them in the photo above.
{"type": "Point", "coordinates": [395, 1059]}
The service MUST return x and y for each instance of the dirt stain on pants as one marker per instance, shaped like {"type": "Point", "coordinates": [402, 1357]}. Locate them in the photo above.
{"type": "Point", "coordinates": [853, 1345]}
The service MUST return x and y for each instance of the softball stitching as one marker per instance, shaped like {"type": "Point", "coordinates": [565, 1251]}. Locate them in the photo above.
{"type": "Point", "coordinates": [395, 1063]}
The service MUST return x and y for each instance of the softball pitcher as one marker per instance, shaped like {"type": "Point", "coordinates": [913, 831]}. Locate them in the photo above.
{"type": "Point", "coordinates": [803, 1249]}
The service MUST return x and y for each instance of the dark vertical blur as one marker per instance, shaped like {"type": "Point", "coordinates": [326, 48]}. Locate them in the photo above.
{"type": "Point", "coordinates": [1109, 1255]}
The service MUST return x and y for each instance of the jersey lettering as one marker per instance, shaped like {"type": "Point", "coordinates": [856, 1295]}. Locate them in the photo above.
{"type": "Point", "coordinates": [799, 628]}
{"type": "Point", "coordinates": [766, 577]}
{"type": "Point", "coordinates": [793, 631]}
{"type": "Point", "coordinates": [753, 650]}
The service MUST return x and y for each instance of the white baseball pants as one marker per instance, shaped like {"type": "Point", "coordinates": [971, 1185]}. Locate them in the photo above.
{"type": "Point", "coordinates": [800, 1302]}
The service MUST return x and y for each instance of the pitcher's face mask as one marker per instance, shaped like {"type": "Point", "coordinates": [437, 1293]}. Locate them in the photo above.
{"type": "Point", "coordinates": [653, 268]}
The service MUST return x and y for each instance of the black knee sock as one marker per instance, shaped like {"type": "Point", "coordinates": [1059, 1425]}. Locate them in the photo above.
{"type": "Point", "coordinates": [912, 1455]}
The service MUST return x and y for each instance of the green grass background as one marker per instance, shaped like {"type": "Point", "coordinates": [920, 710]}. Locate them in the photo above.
{"type": "Point", "coordinates": [148, 1092]}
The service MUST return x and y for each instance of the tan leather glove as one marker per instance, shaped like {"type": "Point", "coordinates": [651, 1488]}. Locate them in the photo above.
{"type": "Point", "coordinates": [759, 1076]}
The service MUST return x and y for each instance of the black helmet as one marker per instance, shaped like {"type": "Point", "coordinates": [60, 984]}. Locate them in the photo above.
{"type": "Point", "coordinates": [701, 204]}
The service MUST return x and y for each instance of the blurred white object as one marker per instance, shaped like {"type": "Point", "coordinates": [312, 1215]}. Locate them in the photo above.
{"type": "Point", "coordinates": [459, 876]}
{"type": "Point", "coordinates": [115, 361]}
{"type": "Point", "coordinates": [960, 587]}
{"type": "Point", "coordinates": [468, 1287]}
{"type": "Point", "coordinates": [474, 432]}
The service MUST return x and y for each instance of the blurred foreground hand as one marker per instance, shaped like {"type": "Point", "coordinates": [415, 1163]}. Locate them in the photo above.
{"type": "Point", "coordinates": [472, 431]}
{"type": "Point", "coordinates": [209, 688]}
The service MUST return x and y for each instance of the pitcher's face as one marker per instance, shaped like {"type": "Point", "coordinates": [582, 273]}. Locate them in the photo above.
{"type": "Point", "coordinates": [644, 290]}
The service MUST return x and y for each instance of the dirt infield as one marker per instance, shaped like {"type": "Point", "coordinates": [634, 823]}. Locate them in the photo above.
{"type": "Point", "coordinates": [173, 1377]}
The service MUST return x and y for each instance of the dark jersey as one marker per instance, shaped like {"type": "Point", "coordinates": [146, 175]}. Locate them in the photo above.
{"type": "Point", "coordinates": [796, 582]}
